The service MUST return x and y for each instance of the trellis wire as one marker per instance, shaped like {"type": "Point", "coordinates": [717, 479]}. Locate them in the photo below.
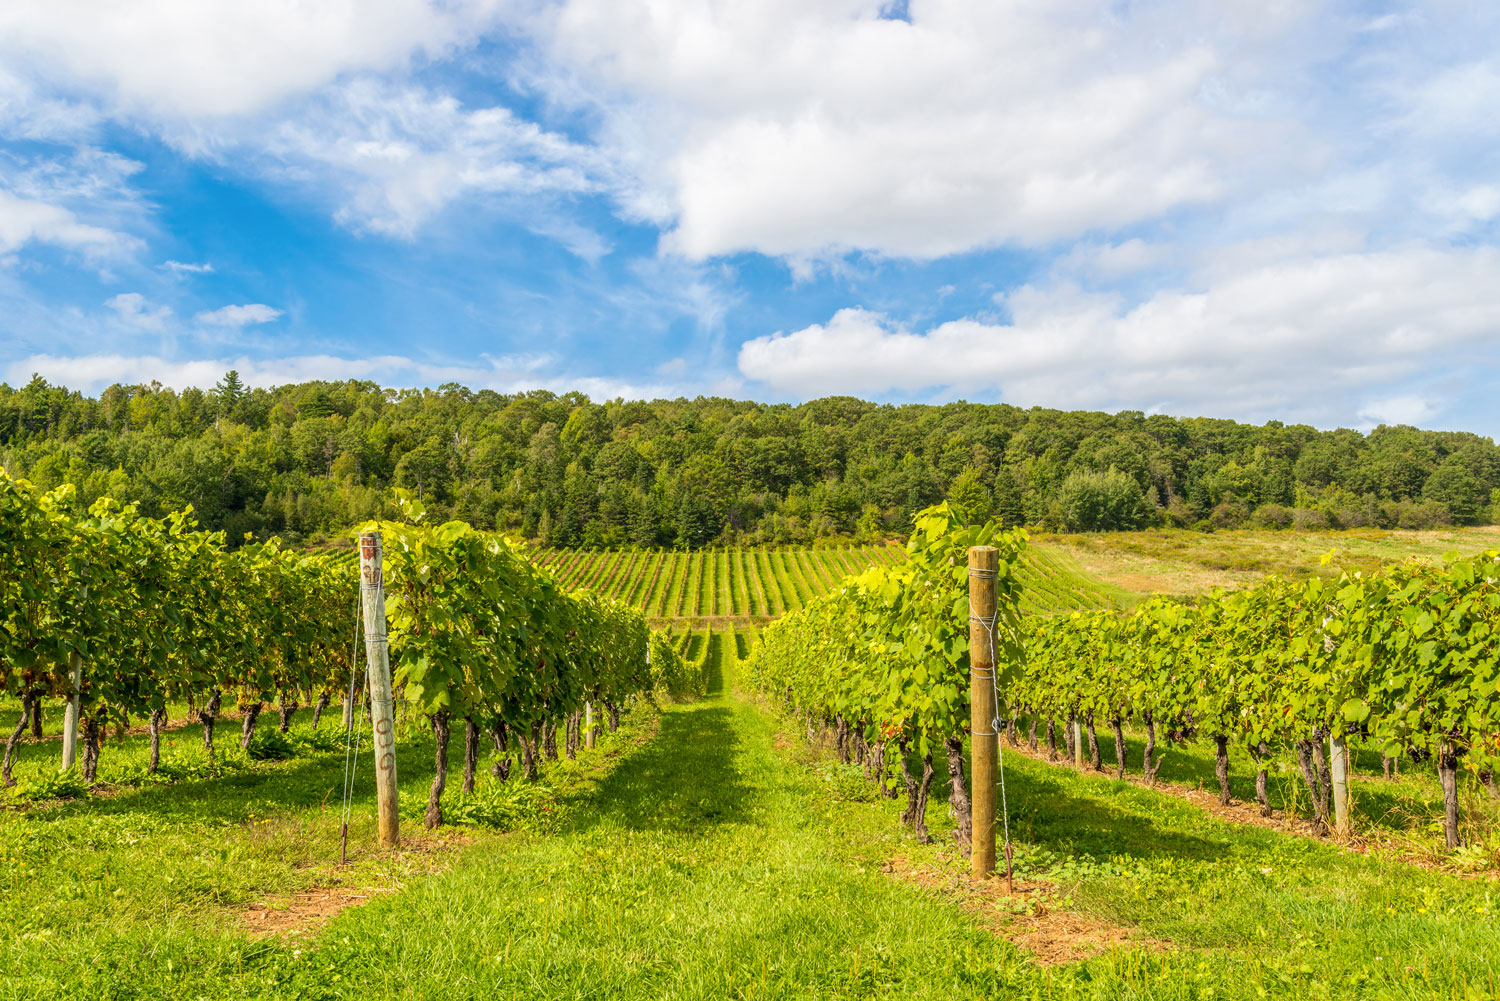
{"type": "Point", "coordinates": [352, 737]}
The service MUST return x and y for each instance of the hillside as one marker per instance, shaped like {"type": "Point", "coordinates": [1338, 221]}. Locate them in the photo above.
{"type": "Point", "coordinates": [741, 588]}
{"type": "Point", "coordinates": [736, 588]}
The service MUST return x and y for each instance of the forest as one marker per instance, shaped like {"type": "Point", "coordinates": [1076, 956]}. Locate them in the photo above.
{"type": "Point", "coordinates": [305, 461]}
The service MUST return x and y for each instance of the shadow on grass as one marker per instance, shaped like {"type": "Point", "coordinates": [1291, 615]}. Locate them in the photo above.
{"type": "Point", "coordinates": [1045, 812]}
{"type": "Point", "coordinates": [685, 779]}
{"type": "Point", "coordinates": [1408, 802]}
{"type": "Point", "coordinates": [301, 784]}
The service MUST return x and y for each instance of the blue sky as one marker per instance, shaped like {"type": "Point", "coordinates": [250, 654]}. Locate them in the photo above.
{"type": "Point", "coordinates": [1258, 211]}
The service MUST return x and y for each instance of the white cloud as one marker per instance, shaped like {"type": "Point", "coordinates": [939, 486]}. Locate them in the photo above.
{"type": "Point", "coordinates": [580, 241]}
{"type": "Point", "coordinates": [800, 128]}
{"type": "Point", "coordinates": [82, 202]}
{"type": "Point", "coordinates": [1406, 409]}
{"type": "Point", "coordinates": [1457, 102]}
{"type": "Point", "coordinates": [1110, 261]}
{"type": "Point", "coordinates": [1312, 337]}
{"type": "Point", "coordinates": [26, 220]}
{"type": "Point", "coordinates": [137, 311]}
{"type": "Point", "coordinates": [238, 316]}
{"type": "Point", "coordinates": [399, 155]}
{"type": "Point", "coordinates": [507, 374]}
{"type": "Point", "coordinates": [26, 114]}
{"type": "Point", "coordinates": [181, 268]}
{"type": "Point", "coordinates": [225, 57]}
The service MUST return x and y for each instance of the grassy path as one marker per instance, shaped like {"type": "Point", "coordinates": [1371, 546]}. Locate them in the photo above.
{"type": "Point", "coordinates": [702, 867]}
{"type": "Point", "coordinates": [712, 862]}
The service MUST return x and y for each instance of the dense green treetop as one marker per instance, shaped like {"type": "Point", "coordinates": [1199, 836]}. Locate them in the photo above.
{"type": "Point", "coordinates": [311, 459]}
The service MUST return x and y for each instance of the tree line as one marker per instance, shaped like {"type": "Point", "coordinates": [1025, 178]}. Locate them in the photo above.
{"type": "Point", "coordinates": [305, 461]}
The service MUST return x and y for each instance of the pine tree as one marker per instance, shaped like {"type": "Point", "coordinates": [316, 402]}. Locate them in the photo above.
{"type": "Point", "coordinates": [230, 390]}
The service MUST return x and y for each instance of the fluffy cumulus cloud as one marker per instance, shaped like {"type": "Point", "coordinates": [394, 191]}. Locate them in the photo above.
{"type": "Point", "coordinates": [400, 154]}
{"type": "Point", "coordinates": [238, 316]}
{"type": "Point", "coordinates": [1314, 338]}
{"type": "Point", "coordinates": [801, 128]}
{"type": "Point", "coordinates": [194, 58]}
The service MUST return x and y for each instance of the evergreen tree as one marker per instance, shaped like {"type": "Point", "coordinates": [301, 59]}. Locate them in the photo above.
{"type": "Point", "coordinates": [229, 390]}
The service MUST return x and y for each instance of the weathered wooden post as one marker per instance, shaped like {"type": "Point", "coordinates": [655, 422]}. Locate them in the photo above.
{"type": "Point", "coordinates": [1338, 764]}
{"type": "Point", "coordinates": [70, 712]}
{"type": "Point", "coordinates": [377, 658]}
{"type": "Point", "coordinates": [588, 725]}
{"type": "Point", "coordinates": [983, 733]}
{"type": "Point", "coordinates": [1078, 750]}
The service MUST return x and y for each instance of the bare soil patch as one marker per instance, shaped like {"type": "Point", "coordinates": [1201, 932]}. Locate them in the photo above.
{"type": "Point", "coordinates": [1032, 916]}
{"type": "Point", "coordinates": [306, 911]}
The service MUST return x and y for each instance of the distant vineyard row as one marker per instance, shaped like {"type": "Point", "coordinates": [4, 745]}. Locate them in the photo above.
{"type": "Point", "coordinates": [759, 585]}
{"type": "Point", "coordinates": [713, 583]}
{"type": "Point", "coordinates": [708, 652]}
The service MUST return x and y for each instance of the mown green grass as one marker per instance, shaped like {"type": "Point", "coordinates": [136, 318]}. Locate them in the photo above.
{"type": "Point", "coordinates": [1401, 814]}
{"type": "Point", "coordinates": [140, 891]}
{"type": "Point", "coordinates": [719, 858]}
{"type": "Point", "coordinates": [1248, 912]}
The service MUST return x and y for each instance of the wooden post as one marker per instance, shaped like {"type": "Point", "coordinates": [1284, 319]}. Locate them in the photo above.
{"type": "Point", "coordinates": [1078, 750]}
{"type": "Point", "coordinates": [70, 713]}
{"type": "Point", "coordinates": [1338, 764]}
{"type": "Point", "coordinates": [588, 725]}
{"type": "Point", "coordinates": [377, 658]}
{"type": "Point", "coordinates": [984, 735]}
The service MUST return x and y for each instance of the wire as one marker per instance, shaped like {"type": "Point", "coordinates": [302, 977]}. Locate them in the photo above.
{"type": "Point", "coordinates": [355, 730]}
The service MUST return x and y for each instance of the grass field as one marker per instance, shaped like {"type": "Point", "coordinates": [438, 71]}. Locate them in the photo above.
{"type": "Point", "coordinates": [1186, 562]}
{"type": "Point", "coordinates": [706, 851]}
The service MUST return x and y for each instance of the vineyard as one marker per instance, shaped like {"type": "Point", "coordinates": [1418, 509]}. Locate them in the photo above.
{"type": "Point", "coordinates": [738, 584]}
{"type": "Point", "coordinates": [1405, 661]}
{"type": "Point", "coordinates": [631, 822]}
{"type": "Point", "coordinates": [757, 586]}
{"type": "Point", "coordinates": [121, 616]}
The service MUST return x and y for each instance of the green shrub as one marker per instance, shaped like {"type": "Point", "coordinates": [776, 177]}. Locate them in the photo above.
{"type": "Point", "coordinates": [1273, 516]}
{"type": "Point", "coordinates": [1453, 486]}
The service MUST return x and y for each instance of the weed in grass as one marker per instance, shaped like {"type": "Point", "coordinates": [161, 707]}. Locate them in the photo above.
{"type": "Point", "coordinates": [43, 783]}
